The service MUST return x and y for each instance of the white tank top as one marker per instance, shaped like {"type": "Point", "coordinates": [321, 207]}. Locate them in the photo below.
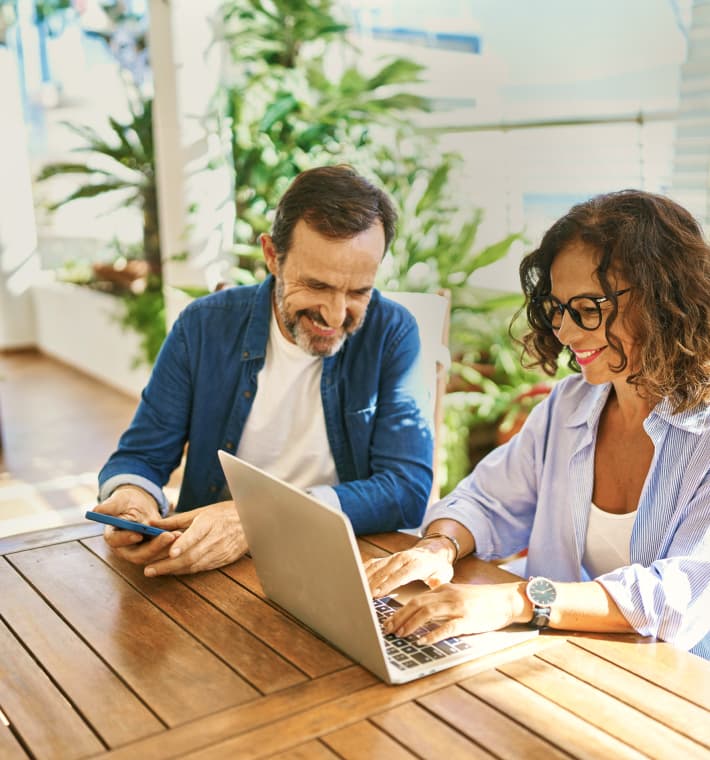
{"type": "Point", "coordinates": [608, 541]}
{"type": "Point", "coordinates": [285, 432]}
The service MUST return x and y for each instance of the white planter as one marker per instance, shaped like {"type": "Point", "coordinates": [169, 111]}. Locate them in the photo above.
{"type": "Point", "coordinates": [80, 327]}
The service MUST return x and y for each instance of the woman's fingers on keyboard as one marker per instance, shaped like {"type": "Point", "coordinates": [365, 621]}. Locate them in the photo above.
{"type": "Point", "coordinates": [387, 573]}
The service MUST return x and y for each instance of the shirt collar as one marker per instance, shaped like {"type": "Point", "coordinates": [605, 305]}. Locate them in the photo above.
{"type": "Point", "coordinates": [588, 411]}
{"type": "Point", "coordinates": [257, 331]}
{"type": "Point", "coordinates": [695, 420]}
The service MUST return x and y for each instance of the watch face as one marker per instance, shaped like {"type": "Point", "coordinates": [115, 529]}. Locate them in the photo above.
{"type": "Point", "coordinates": [541, 591]}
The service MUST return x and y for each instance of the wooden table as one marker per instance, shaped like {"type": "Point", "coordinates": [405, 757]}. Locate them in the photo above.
{"type": "Point", "coordinates": [96, 660]}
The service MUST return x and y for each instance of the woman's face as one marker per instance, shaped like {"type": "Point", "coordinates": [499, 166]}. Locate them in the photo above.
{"type": "Point", "coordinates": [573, 274]}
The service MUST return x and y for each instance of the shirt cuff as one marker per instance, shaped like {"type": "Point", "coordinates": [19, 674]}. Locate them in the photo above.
{"type": "Point", "coordinates": [110, 485]}
{"type": "Point", "coordinates": [327, 495]}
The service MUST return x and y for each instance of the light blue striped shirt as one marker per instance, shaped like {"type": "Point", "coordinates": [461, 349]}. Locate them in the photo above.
{"type": "Point", "coordinates": [536, 492]}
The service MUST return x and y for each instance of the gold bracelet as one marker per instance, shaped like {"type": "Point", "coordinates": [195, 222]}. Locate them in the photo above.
{"type": "Point", "coordinates": [454, 543]}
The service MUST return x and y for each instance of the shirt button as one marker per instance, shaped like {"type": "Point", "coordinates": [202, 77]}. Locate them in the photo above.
{"type": "Point", "coordinates": [245, 354]}
{"type": "Point", "coordinates": [213, 489]}
{"type": "Point", "coordinates": [229, 445]}
{"type": "Point", "coordinates": [247, 394]}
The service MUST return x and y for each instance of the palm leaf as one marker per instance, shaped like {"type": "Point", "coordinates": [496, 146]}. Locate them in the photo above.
{"type": "Point", "coordinates": [90, 191]}
{"type": "Point", "coordinates": [53, 170]}
{"type": "Point", "coordinates": [494, 252]}
{"type": "Point", "coordinates": [399, 71]}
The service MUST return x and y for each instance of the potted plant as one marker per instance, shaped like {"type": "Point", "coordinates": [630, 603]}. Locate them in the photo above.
{"type": "Point", "coordinates": [123, 165]}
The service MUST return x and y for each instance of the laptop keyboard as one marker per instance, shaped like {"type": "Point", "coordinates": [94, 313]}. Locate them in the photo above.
{"type": "Point", "coordinates": [405, 653]}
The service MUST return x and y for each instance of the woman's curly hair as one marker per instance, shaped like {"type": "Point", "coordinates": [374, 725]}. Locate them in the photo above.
{"type": "Point", "coordinates": [659, 250]}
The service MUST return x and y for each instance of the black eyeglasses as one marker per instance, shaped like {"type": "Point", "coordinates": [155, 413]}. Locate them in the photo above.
{"type": "Point", "coordinates": [586, 311]}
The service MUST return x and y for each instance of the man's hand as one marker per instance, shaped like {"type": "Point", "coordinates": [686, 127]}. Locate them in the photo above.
{"type": "Point", "coordinates": [428, 562]}
{"type": "Point", "coordinates": [457, 609]}
{"type": "Point", "coordinates": [133, 503]}
{"type": "Point", "coordinates": [208, 537]}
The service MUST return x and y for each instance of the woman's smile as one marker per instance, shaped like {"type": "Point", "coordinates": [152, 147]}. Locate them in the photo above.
{"type": "Point", "coordinates": [587, 356]}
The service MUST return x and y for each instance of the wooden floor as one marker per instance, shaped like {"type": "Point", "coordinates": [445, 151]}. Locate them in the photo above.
{"type": "Point", "coordinates": [57, 428]}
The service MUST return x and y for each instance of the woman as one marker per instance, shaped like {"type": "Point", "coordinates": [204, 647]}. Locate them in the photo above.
{"type": "Point", "coordinates": [609, 479]}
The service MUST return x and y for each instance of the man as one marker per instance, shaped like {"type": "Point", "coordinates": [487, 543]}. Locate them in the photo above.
{"type": "Point", "coordinates": [311, 375]}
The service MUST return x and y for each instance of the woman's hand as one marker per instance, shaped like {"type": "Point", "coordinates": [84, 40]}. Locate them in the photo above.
{"type": "Point", "coordinates": [208, 537]}
{"type": "Point", "coordinates": [455, 609]}
{"type": "Point", "coordinates": [429, 561]}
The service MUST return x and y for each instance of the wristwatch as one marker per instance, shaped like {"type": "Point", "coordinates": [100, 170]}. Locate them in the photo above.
{"type": "Point", "coordinates": [542, 593]}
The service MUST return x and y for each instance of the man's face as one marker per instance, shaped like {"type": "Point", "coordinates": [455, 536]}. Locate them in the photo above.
{"type": "Point", "coordinates": [324, 286]}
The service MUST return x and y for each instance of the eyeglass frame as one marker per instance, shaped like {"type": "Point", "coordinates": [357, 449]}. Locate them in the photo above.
{"type": "Point", "coordinates": [574, 313]}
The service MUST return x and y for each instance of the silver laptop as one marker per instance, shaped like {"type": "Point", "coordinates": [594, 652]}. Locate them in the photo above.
{"type": "Point", "coordinates": [307, 560]}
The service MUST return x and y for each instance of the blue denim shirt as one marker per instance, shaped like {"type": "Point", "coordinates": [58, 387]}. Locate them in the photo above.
{"type": "Point", "coordinates": [203, 385]}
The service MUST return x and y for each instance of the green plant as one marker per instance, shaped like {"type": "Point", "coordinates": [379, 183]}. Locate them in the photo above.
{"type": "Point", "coordinates": [490, 391]}
{"type": "Point", "coordinates": [145, 314]}
{"type": "Point", "coordinates": [289, 111]}
{"type": "Point", "coordinates": [123, 165]}
{"type": "Point", "coordinates": [435, 247]}
{"type": "Point", "coordinates": [44, 9]}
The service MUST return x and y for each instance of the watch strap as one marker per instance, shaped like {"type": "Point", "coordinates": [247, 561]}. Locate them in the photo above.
{"type": "Point", "coordinates": [541, 617]}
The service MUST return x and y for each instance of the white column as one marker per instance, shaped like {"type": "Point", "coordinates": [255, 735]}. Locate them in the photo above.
{"type": "Point", "coordinates": [18, 235]}
{"type": "Point", "coordinates": [195, 203]}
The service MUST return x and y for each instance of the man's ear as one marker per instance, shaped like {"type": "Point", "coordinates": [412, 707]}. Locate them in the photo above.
{"type": "Point", "coordinates": [269, 251]}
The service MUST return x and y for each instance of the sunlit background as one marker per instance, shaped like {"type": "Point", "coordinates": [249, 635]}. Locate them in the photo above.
{"type": "Point", "coordinates": [548, 103]}
{"type": "Point", "coordinates": [543, 103]}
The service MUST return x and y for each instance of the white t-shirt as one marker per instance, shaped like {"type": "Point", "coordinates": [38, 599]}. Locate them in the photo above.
{"type": "Point", "coordinates": [285, 432]}
{"type": "Point", "coordinates": [608, 541]}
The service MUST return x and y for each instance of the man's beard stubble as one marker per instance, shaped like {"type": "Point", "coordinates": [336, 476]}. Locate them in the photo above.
{"type": "Point", "coordinates": [308, 342]}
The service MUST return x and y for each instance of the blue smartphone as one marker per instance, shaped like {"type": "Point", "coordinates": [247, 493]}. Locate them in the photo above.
{"type": "Point", "coordinates": [147, 530]}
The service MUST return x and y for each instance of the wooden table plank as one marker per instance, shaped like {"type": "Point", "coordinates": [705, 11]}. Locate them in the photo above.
{"type": "Point", "coordinates": [258, 663]}
{"type": "Point", "coordinates": [309, 751]}
{"type": "Point", "coordinates": [37, 538]}
{"type": "Point", "coordinates": [10, 747]}
{"type": "Point", "coordinates": [364, 741]}
{"type": "Point", "coordinates": [253, 715]}
{"type": "Point", "coordinates": [684, 674]}
{"type": "Point", "coordinates": [55, 645]}
{"type": "Point", "coordinates": [543, 717]}
{"type": "Point", "coordinates": [38, 712]}
{"type": "Point", "coordinates": [661, 705]}
{"type": "Point", "coordinates": [488, 727]}
{"type": "Point", "coordinates": [289, 638]}
{"type": "Point", "coordinates": [426, 736]}
{"type": "Point", "coordinates": [158, 659]}
{"type": "Point", "coordinates": [390, 542]}
{"type": "Point", "coordinates": [244, 572]}
{"type": "Point", "coordinates": [601, 710]}
{"type": "Point", "coordinates": [561, 694]}
{"type": "Point", "coordinates": [294, 730]}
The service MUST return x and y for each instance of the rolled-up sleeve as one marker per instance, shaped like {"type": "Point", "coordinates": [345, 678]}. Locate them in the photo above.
{"type": "Point", "coordinates": [496, 503]}
{"type": "Point", "coordinates": [670, 599]}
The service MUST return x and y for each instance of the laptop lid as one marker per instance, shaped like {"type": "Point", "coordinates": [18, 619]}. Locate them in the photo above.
{"type": "Point", "coordinates": [308, 562]}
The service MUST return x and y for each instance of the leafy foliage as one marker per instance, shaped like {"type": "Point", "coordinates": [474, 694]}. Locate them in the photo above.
{"type": "Point", "coordinates": [145, 314]}
{"type": "Point", "coordinates": [436, 248]}
{"type": "Point", "coordinates": [290, 111]}
{"type": "Point", "coordinates": [124, 165]}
